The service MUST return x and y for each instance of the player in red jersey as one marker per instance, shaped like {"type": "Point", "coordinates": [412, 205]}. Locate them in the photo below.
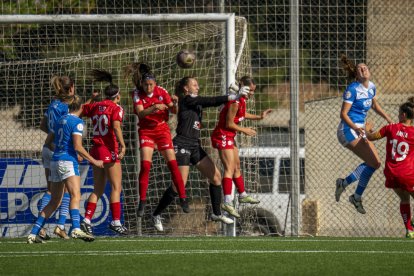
{"type": "Point", "coordinates": [106, 118]}
{"type": "Point", "coordinates": [223, 139]}
{"type": "Point", "coordinates": [151, 105]}
{"type": "Point", "coordinates": [399, 162]}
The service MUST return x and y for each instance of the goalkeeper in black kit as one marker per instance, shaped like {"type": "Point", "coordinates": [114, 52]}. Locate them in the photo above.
{"type": "Point", "coordinates": [187, 146]}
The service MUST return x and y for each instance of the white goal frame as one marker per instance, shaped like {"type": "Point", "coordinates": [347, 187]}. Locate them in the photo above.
{"type": "Point", "coordinates": [227, 18]}
{"type": "Point", "coordinates": [229, 42]}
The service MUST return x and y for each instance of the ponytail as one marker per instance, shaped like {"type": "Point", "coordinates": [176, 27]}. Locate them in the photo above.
{"type": "Point", "coordinates": [136, 70]}
{"type": "Point", "coordinates": [112, 90]}
{"type": "Point", "coordinates": [62, 86]}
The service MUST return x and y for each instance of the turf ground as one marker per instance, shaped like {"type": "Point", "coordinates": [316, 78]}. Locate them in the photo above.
{"type": "Point", "coordinates": [209, 256]}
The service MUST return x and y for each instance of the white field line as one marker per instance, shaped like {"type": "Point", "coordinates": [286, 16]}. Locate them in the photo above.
{"type": "Point", "coordinates": [186, 252]}
{"type": "Point", "coordinates": [227, 240]}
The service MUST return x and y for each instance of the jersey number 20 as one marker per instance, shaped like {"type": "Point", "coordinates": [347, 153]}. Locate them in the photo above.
{"type": "Point", "coordinates": [100, 125]}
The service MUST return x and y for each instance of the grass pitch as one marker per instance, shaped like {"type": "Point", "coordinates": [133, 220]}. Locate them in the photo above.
{"type": "Point", "coordinates": [209, 256]}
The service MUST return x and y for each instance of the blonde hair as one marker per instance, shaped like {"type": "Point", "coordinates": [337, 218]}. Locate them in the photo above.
{"type": "Point", "coordinates": [75, 103]}
{"type": "Point", "coordinates": [62, 86]}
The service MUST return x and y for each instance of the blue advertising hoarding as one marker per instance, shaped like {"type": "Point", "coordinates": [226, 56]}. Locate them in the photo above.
{"type": "Point", "coordinates": [22, 185]}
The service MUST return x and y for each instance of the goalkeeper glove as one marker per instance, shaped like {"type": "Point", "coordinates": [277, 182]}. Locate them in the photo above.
{"type": "Point", "coordinates": [233, 89]}
{"type": "Point", "coordinates": [244, 91]}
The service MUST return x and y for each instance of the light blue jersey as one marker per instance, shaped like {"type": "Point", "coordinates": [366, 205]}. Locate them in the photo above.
{"type": "Point", "coordinates": [67, 126]}
{"type": "Point", "coordinates": [361, 100]}
{"type": "Point", "coordinates": [53, 113]}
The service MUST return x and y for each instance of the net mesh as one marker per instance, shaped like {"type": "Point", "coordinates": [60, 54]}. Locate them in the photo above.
{"type": "Point", "coordinates": [75, 49]}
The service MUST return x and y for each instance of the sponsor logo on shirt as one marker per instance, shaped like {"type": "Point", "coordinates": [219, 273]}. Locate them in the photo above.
{"type": "Point", "coordinates": [101, 108]}
{"type": "Point", "coordinates": [197, 125]}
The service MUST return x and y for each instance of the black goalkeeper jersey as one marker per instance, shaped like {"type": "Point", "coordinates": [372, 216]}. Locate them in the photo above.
{"type": "Point", "coordinates": [190, 113]}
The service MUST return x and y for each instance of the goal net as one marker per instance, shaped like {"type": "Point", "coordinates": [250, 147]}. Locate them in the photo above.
{"type": "Point", "coordinates": [31, 53]}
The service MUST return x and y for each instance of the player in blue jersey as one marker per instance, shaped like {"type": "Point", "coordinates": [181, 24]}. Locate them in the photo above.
{"type": "Point", "coordinates": [65, 89]}
{"type": "Point", "coordinates": [64, 170]}
{"type": "Point", "coordinates": [358, 98]}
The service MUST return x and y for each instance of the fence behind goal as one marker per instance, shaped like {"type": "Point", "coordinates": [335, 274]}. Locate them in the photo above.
{"type": "Point", "coordinates": [377, 32]}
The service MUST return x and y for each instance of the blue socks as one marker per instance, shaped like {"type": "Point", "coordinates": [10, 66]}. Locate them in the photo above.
{"type": "Point", "coordinates": [363, 181]}
{"type": "Point", "coordinates": [45, 200]}
{"type": "Point", "coordinates": [64, 210]}
{"type": "Point", "coordinates": [40, 222]}
{"type": "Point", "coordinates": [74, 215]}
{"type": "Point", "coordinates": [355, 175]}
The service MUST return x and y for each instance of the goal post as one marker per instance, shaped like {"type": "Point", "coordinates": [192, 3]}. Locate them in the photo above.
{"type": "Point", "coordinates": [35, 47]}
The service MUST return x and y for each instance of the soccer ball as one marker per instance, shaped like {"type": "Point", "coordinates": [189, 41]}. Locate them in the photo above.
{"type": "Point", "coordinates": [185, 59]}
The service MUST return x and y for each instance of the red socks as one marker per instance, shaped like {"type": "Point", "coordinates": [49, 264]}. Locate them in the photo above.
{"type": "Point", "coordinates": [405, 211]}
{"type": "Point", "coordinates": [90, 210]}
{"type": "Point", "coordinates": [144, 179]}
{"type": "Point", "coordinates": [227, 185]}
{"type": "Point", "coordinates": [239, 183]}
{"type": "Point", "coordinates": [177, 178]}
{"type": "Point", "coordinates": [116, 210]}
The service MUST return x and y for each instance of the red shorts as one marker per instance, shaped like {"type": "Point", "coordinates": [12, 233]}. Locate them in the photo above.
{"type": "Point", "coordinates": [104, 154]}
{"type": "Point", "coordinates": [222, 141]}
{"type": "Point", "coordinates": [402, 183]}
{"type": "Point", "coordinates": [161, 136]}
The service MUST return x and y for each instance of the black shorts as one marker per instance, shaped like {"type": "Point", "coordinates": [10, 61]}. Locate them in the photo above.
{"type": "Point", "coordinates": [188, 154]}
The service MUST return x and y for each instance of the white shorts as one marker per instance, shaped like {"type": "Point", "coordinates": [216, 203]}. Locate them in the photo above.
{"type": "Point", "coordinates": [62, 169]}
{"type": "Point", "coordinates": [345, 134]}
{"type": "Point", "coordinates": [46, 157]}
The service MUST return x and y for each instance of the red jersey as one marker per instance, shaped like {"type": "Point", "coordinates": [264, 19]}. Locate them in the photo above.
{"type": "Point", "coordinates": [103, 114]}
{"type": "Point", "coordinates": [159, 96]}
{"type": "Point", "coordinates": [400, 150]}
{"type": "Point", "coordinates": [241, 112]}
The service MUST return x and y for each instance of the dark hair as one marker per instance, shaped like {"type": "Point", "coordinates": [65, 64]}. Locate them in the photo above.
{"type": "Point", "coordinates": [62, 86]}
{"type": "Point", "coordinates": [147, 76]}
{"type": "Point", "coordinates": [349, 66]}
{"type": "Point", "coordinates": [112, 90]}
{"type": "Point", "coordinates": [408, 108]}
{"type": "Point", "coordinates": [136, 70]}
{"type": "Point", "coordinates": [75, 103]}
{"type": "Point", "coordinates": [179, 86]}
{"type": "Point", "coordinates": [246, 80]}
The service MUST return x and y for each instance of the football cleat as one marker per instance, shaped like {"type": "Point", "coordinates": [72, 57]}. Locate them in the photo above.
{"type": "Point", "coordinates": [339, 188]}
{"type": "Point", "coordinates": [61, 233]}
{"type": "Point", "coordinates": [86, 227]}
{"type": "Point", "coordinates": [79, 234]}
{"type": "Point", "coordinates": [141, 208]}
{"type": "Point", "coordinates": [119, 229]}
{"type": "Point", "coordinates": [357, 204]}
{"type": "Point", "coordinates": [248, 199]}
{"type": "Point", "coordinates": [157, 223]}
{"type": "Point", "coordinates": [43, 234]}
{"type": "Point", "coordinates": [184, 205]}
{"type": "Point", "coordinates": [221, 218]}
{"type": "Point", "coordinates": [410, 235]}
{"type": "Point", "coordinates": [34, 239]}
{"type": "Point", "coordinates": [230, 209]}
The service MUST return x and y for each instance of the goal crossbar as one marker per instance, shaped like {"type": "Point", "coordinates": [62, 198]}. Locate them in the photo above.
{"type": "Point", "coordinates": [227, 18]}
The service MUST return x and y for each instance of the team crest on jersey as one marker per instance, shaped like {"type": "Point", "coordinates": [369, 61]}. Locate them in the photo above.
{"type": "Point", "coordinates": [160, 98]}
{"type": "Point", "coordinates": [80, 127]}
{"type": "Point", "coordinates": [101, 108]}
{"type": "Point", "coordinates": [367, 103]}
{"type": "Point", "coordinates": [348, 94]}
{"type": "Point", "coordinates": [136, 98]}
